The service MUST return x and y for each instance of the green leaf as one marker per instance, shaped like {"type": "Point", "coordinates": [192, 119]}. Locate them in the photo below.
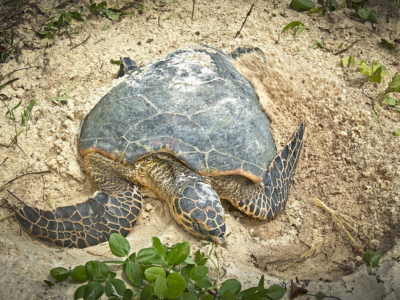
{"type": "Point", "coordinates": [231, 285]}
{"type": "Point", "coordinates": [375, 65]}
{"type": "Point", "coordinates": [49, 283]}
{"type": "Point", "coordinates": [92, 8]}
{"type": "Point", "coordinates": [59, 274]}
{"type": "Point", "coordinates": [60, 21]}
{"type": "Point", "coordinates": [93, 290]}
{"type": "Point", "coordinates": [76, 15]}
{"type": "Point", "coordinates": [174, 254]}
{"type": "Point", "coordinates": [302, 4]}
{"type": "Point", "coordinates": [207, 297]}
{"type": "Point", "coordinates": [128, 295]}
{"type": "Point", "coordinates": [119, 245]}
{"type": "Point", "coordinates": [351, 61]}
{"type": "Point", "coordinates": [377, 75]}
{"type": "Point", "coordinates": [364, 69]}
{"type": "Point", "coordinates": [189, 296]}
{"type": "Point", "coordinates": [203, 261]}
{"type": "Point", "coordinates": [363, 13]}
{"type": "Point", "coordinates": [80, 292]}
{"type": "Point", "coordinates": [105, 27]}
{"type": "Point", "coordinates": [184, 254]}
{"type": "Point", "coordinates": [344, 62]}
{"type": "Point", "coordinates": [317, 44]}
{"type": "Point", "coordinates": [320, 296]}
{"type": "Point", "coordinates": [261, 284]}
{"type": "Point", "coordinates": [276, 292]}
{"type": "Point", "coordinates": [389, 101]}
{"type": "Point", "coordinates": [333, 4]}
{"type": "Point", "coordinates": [49, 36]}
{"type": "Point", "coordinates": [132, 271]}
{"type": "Point", "coordinates": [147, 292]}
{"type": "Point", "coordinates": [291, 25]}
{"type": "Point", "coordinates": [373, 17]}
{"type": "Point", "coordinates": [372, 258]}
{"type": "Point", "coordinates": [148, 256]}
{"type": "Point", "coordinates": [198, 272]}
{"type": "Point", "coordinates": [300, 29]}
{"type": "Point", "coordinates": [388, 45]}
{"type": "Point", "coordinates": [198, 256]}
{"type": "Point", "coordinates": [68, 17]}
{"type": "Point", "coordinates": [394, 85]}
{"type": "Point", "coordinates": [248, 294]}
{"type": "Point", "coordinates": [176, 285]}
{"type": "Point", "coordinates": [357, 1]}
{"type": "Point", "coordinates": [160, 287]}
{"type": "Point", "coordinates": [79, 274]}
{"type": "Point", "coordinates": [102, 4]}
{"type": "Point", "coordinates": [341, 45]}
{"type": "Point", "coordinates": [115, 62]}
{"type": "Point", "coordinates": [203, 283]}
{"type": "Point", "coordinates": [115, 287]}
{"type": "Point", "coordinates": [315, 12]}
{"type": "Point", "coordinates": [160, 249]}
{"type": "Point", "coordinates": [97, 270]}
{"type": "Point", "coordinates": [152, 273]}
{"type": "Point", "coordinates": [397, 132]}
{"type": "Point", "coordinates": [227, 295]}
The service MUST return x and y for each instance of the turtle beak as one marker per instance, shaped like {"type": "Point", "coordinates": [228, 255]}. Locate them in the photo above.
{"type": "Point", "coordinates": [221, 241]}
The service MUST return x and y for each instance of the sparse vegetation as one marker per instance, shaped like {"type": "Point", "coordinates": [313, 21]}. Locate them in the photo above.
{"type": "Point", "coordinates": [64, 19]}
{"type": "Point", "coordinates": [63, 95]}
{"type": "Point", "coordinates": [111, 13]}
{"type": "Point", "coordinates": [6, 46]}
{"type": "Point", "coordinates": [159, 272]}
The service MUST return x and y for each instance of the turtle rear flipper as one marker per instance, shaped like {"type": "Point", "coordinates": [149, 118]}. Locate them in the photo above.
{"type": "Point", "coordinates": [84, 224]}
{"type": "Point", "coordinates": [263, 201]}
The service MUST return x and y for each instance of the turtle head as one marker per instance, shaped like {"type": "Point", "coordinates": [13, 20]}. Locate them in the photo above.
{"type": "Point", "coordinates": [198, 209]}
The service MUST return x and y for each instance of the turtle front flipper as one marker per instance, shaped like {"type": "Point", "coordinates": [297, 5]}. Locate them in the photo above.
{"type": "Point", "coordinates": [115, 209]}
{"type": "Point", "coordinates": [263, 201]}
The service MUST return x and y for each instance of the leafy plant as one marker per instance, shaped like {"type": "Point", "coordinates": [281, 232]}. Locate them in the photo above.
{"type": "Point", "coordinates": [372, 259]}
{"type": "Point", "coordinates": [63, 95]}
{"type": "Point", "coordinates": [374, 73]}
{"type": "Point", "coordinates": [5, 51]}
{"type": "Point", "coordinates": [26, 112]}
{"type": "Point", "coordinates": [64, 19]}
{"type": "Point", "coordinates": [142, 8]}
{"type": "Point", "coordinates": [368, 15]}
{"type": "Point", "coordinates": [302, 4]}
{"type": "Point", "coordinates": [388, 45]}
{"type": "Point", "coordinates": [10, 111]}
{"type": "Point", "coordinates": [294, 24]}
{"type": "Point", "coordinates": [317, 44]}
{"type": "Point", "coordinates": [159, 272]}
{"type": "Point", "coordinates": [111, 13]}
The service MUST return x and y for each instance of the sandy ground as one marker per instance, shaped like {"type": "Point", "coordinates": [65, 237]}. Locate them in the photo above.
{"type": "Point", "coordinates": [348, 161]}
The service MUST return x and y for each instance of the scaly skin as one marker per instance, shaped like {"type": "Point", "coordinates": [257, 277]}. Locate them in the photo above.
{"type": "Point", "coordinates": [194, 204]}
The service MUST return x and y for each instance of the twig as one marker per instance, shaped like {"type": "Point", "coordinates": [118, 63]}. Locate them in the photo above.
{"type": "Point", "coordinates": [279, 261]}
{"type": "Point", "coordinates": [17, 198]}
{"type": "Point", "coordinates": [17, 71]}
{"type": "Point", "coordinates": [33, 173]}
{"type": "Point", "coordinates": [303, 255]}
{"type": "Point", "coordinates": [80, 43]}
{"type": "Point", "coordinates": [6, 217]}
{"type": "Point", "coordinates": [3, 161]}
{"type": "Point", "coordinates": [194, 2]}
{"type": "Point", "coordinates": [15, 138]}
{"type": "Point", "coordinates": [248, 14]}
{"type": "Point", "coordinates": [344, 50]}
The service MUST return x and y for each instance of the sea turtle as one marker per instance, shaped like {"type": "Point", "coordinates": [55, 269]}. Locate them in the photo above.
{"type": "Point", "coordinates": [187, 128]}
